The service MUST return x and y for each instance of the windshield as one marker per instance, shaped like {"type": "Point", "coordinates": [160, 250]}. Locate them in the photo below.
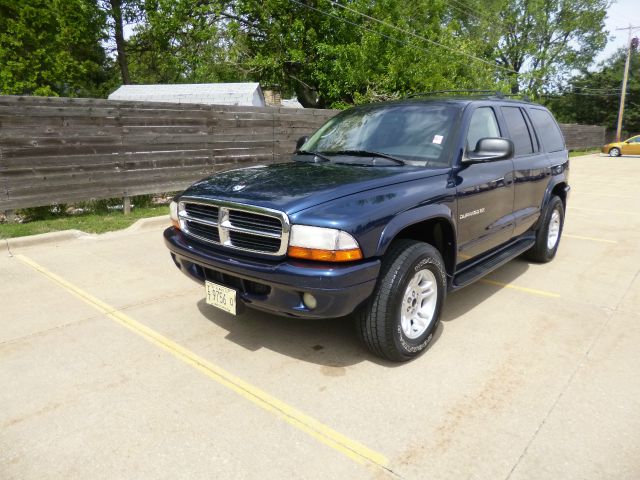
{"type": "Point", "coordinates": [417, 134]}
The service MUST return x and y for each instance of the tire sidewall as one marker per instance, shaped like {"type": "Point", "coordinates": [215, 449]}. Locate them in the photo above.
{"type": "Point", "coordinates": [554, 205]}
{"type": "Point", "coordinates": [421, 261]}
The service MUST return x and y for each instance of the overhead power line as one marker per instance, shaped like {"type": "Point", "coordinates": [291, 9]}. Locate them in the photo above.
{"type": "Point", "coordinates": [420, 37]}
{"type": "Point", "coordinates": [467, 10]}
{"type": "Point", "coordinates": [370, 30]}
{"type": "Point", "coordinates": [394, 27]}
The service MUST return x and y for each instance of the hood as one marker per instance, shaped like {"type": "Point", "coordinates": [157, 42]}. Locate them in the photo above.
{"type": "Point", "coordinates": [293, 186]}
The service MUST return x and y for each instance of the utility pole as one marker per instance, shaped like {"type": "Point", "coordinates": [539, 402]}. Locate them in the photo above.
{"type": "Point", "coordinates": [624, 80]}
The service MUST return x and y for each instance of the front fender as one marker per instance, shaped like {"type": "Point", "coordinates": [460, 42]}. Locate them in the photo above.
{"type": "Point", "coordinates": [411, 217]}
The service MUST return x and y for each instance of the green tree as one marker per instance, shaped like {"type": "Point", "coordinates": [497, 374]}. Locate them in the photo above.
{"type": "Point", "coordinates": [594, 97]}
{"type": "Point", "coordinates": [540, 41]}
{"type": "Point", "coordinates": [545, 40]}
{"type": "Point", "coordinates": [185, 41]}
{"type": "Point", "coordinates": [51, 47]}
{"type": "Point", "coordinates": [327, 54]}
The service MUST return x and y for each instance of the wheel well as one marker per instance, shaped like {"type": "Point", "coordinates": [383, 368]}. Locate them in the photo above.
{"type": "Point", "coordinates": [559, 190]}
{"type": "Point", "coordinates": [437, 232]}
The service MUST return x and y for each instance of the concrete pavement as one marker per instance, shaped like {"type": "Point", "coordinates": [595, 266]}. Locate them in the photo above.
{"type": "Point", "coordinates": [533, 374]}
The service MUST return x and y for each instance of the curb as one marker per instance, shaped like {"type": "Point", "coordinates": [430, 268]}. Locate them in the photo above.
{"type": "Point", "coordinates": [44, 238]}
{"type": "Point", "coordinates": [147, 224]}
{"type": "Point", "coordinates": [55, 237]}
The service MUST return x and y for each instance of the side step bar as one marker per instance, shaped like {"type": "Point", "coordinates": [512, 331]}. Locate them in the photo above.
{"type": "Point", "coordinates": [497, 259]}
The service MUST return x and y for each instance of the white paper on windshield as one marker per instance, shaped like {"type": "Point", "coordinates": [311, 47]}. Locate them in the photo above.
{"type": "Point", "coordinates": [437, 139]}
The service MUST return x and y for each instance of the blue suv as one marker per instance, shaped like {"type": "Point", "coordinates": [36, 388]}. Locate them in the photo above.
{"type": "Point", "coordinates": [380, 213]}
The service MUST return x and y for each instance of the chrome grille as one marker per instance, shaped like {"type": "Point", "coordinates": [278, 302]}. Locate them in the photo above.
{"type": "Point", "coordinates": [238, 226]}
{"type": "Point", "coordinates": [202, 211]}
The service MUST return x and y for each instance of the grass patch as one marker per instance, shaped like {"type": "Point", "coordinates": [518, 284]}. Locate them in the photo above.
{"type": "Point", "coordinates": [90, 222]}
{"type": "Point", "coordinates": [580, 153]}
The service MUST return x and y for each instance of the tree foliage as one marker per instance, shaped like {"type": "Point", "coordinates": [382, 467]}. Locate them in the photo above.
{"type": "Point", "coordinates": [547, 39]}
{"type": "Point", "coordinates": [51, 47]}
{"type": "Point", "coordinates": [330, 53]}
{"type": "Point", "coordinates": [594, 97]}
{"type": "Point", "coordinates": [325, 54]}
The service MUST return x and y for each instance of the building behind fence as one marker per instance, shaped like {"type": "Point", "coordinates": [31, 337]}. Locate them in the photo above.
{"type": "Point", "coordinates": [61, 150]}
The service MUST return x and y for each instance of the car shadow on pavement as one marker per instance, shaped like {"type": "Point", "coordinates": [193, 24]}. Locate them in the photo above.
{"type": "Point", "coordinates": [334, 342]}
{"type": "Point", "coordinates": [462, 301]}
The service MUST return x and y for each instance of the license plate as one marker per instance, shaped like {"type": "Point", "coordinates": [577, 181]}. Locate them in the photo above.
{"type": "Point", "coordinates": [222, 297]}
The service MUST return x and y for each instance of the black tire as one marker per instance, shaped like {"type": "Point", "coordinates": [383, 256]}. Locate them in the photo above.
{"type": "Point", "coordinates": [614, 152]}
{"type": "Point", "coordinates": [379, 320]}
{"type": "Point", "coordinates": [541, 251]}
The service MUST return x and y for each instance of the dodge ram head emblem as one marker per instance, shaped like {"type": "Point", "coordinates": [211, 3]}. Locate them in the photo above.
{"type": "Point", "coordinates": [237, 188]}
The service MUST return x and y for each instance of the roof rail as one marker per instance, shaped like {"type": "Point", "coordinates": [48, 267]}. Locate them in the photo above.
{"type": "Point", "coordinates": [439, 92]}
{"type": "Point", "coordinates": [524, 96]}
{"type": "Point", "coordinates": [488, 93]}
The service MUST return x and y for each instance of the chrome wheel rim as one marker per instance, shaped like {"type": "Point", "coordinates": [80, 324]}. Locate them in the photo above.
{"type": "Point", "coordinates": [554, 230]}
{"type": "Point", "coordinates": [419, 304]}
{"type": "Point", "coordinates": [614, 152]}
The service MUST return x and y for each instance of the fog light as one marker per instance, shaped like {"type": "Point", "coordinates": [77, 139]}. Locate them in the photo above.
{"type": "Point", "coordinates": [309, 301]}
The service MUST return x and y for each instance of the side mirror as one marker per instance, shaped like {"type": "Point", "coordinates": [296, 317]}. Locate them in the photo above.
{"type": "Point", "coordinates": [489, 149]}
{"type": "Point", "coordinates": [301, 141]}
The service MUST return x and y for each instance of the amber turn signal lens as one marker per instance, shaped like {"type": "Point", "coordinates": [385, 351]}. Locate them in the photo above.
{"type": "Point", "coordinates": [325, 255]}
{"type": "Point", "coordinates": [176, 224]}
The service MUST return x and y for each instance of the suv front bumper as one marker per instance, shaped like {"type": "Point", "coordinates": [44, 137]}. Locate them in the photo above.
{"type": "Point", "coordinates": [277, 287]}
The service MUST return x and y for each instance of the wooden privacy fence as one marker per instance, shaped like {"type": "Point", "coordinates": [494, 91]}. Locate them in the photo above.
{"type": "Point", "coordinates": [579, 137]}
{"type": "Point", "coordinates": [60, 150]}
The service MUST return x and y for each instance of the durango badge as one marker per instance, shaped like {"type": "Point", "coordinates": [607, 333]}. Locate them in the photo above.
{"type": "Point", "coordinates": [472, 213]}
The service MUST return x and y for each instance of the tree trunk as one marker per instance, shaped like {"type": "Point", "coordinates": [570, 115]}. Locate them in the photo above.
{"type": "Point", "coordinates": [116, 13]}
{"type": "Point", "coordinates": [515, 86]}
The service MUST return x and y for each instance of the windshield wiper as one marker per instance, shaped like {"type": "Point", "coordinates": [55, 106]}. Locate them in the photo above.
{"type": "Point", "coordinates": [366, 153]}
{"type": "Point", "coordinates": [315, 154]}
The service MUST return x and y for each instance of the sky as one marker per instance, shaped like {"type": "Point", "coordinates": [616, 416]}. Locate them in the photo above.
{"type": "Point", "coordinates": [620, 14]}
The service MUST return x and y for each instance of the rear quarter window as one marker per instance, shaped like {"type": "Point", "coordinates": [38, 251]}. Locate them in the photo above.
{"type": "Point", "coordinates": [547, 130]}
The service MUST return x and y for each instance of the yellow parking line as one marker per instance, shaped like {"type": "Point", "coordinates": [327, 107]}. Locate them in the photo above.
{"type": "Point", "coordinates": [352, 449]}
{"type": "Point", "coordinates": [532, 291]}
{"type": "Point", "coordinates": [593, 239]}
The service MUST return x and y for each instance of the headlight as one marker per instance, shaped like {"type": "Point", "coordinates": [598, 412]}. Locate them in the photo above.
{"type": "Point", "coordinates": [323, 244]}
{"type": "Point", "coordinates": [173, 214]}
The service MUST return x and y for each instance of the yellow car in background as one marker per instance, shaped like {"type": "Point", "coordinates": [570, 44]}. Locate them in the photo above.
{"type": "Point", "coordinates": [628, 147]}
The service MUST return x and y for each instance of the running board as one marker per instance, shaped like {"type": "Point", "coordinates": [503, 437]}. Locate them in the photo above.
{"type": "Point", "coordinates": [499, 258]}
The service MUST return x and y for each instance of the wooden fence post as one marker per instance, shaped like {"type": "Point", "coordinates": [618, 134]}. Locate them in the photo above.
{"type": "Point", "coordinates": [126, 205]}
{"type": "Point", "coordinates": [11, 216]}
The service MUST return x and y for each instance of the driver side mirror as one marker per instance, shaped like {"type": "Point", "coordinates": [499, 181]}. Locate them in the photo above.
{"type": "Point", "coordinates": [301, 141]}
{"type": "Point", "coordinates": [489, 149]}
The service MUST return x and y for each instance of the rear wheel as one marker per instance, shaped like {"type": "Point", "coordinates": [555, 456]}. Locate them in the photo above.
{"type": "Point", "coordinates": [614, 152]}
{"type": "Point", "coordinates": [548, 235]}
{"type": "Point", "coordinates": [398, 321]}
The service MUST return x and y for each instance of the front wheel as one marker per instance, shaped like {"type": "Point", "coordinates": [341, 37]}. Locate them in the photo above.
{"type": "Point", "coordinates": [548, 235]}
{"type": "Point", "coordinates": [398, 321]}
{"type": "Point", "coordinates": [614, 152]}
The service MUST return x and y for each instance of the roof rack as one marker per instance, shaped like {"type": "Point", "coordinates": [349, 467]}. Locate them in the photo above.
{"type": "Point", "coordinates": [439, 92]}
{"type": "Point", "coordinates": [488, 93]}
{"type": "Point", "coordinates": [524, 96]}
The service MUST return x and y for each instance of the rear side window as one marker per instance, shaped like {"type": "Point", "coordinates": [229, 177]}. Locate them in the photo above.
{"type": "Point", "coordinates": [519, 131]}
{"type": "Point", "coordinates": [483, 125]}
{"type": "Point", "coordinates": [547, 129]}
